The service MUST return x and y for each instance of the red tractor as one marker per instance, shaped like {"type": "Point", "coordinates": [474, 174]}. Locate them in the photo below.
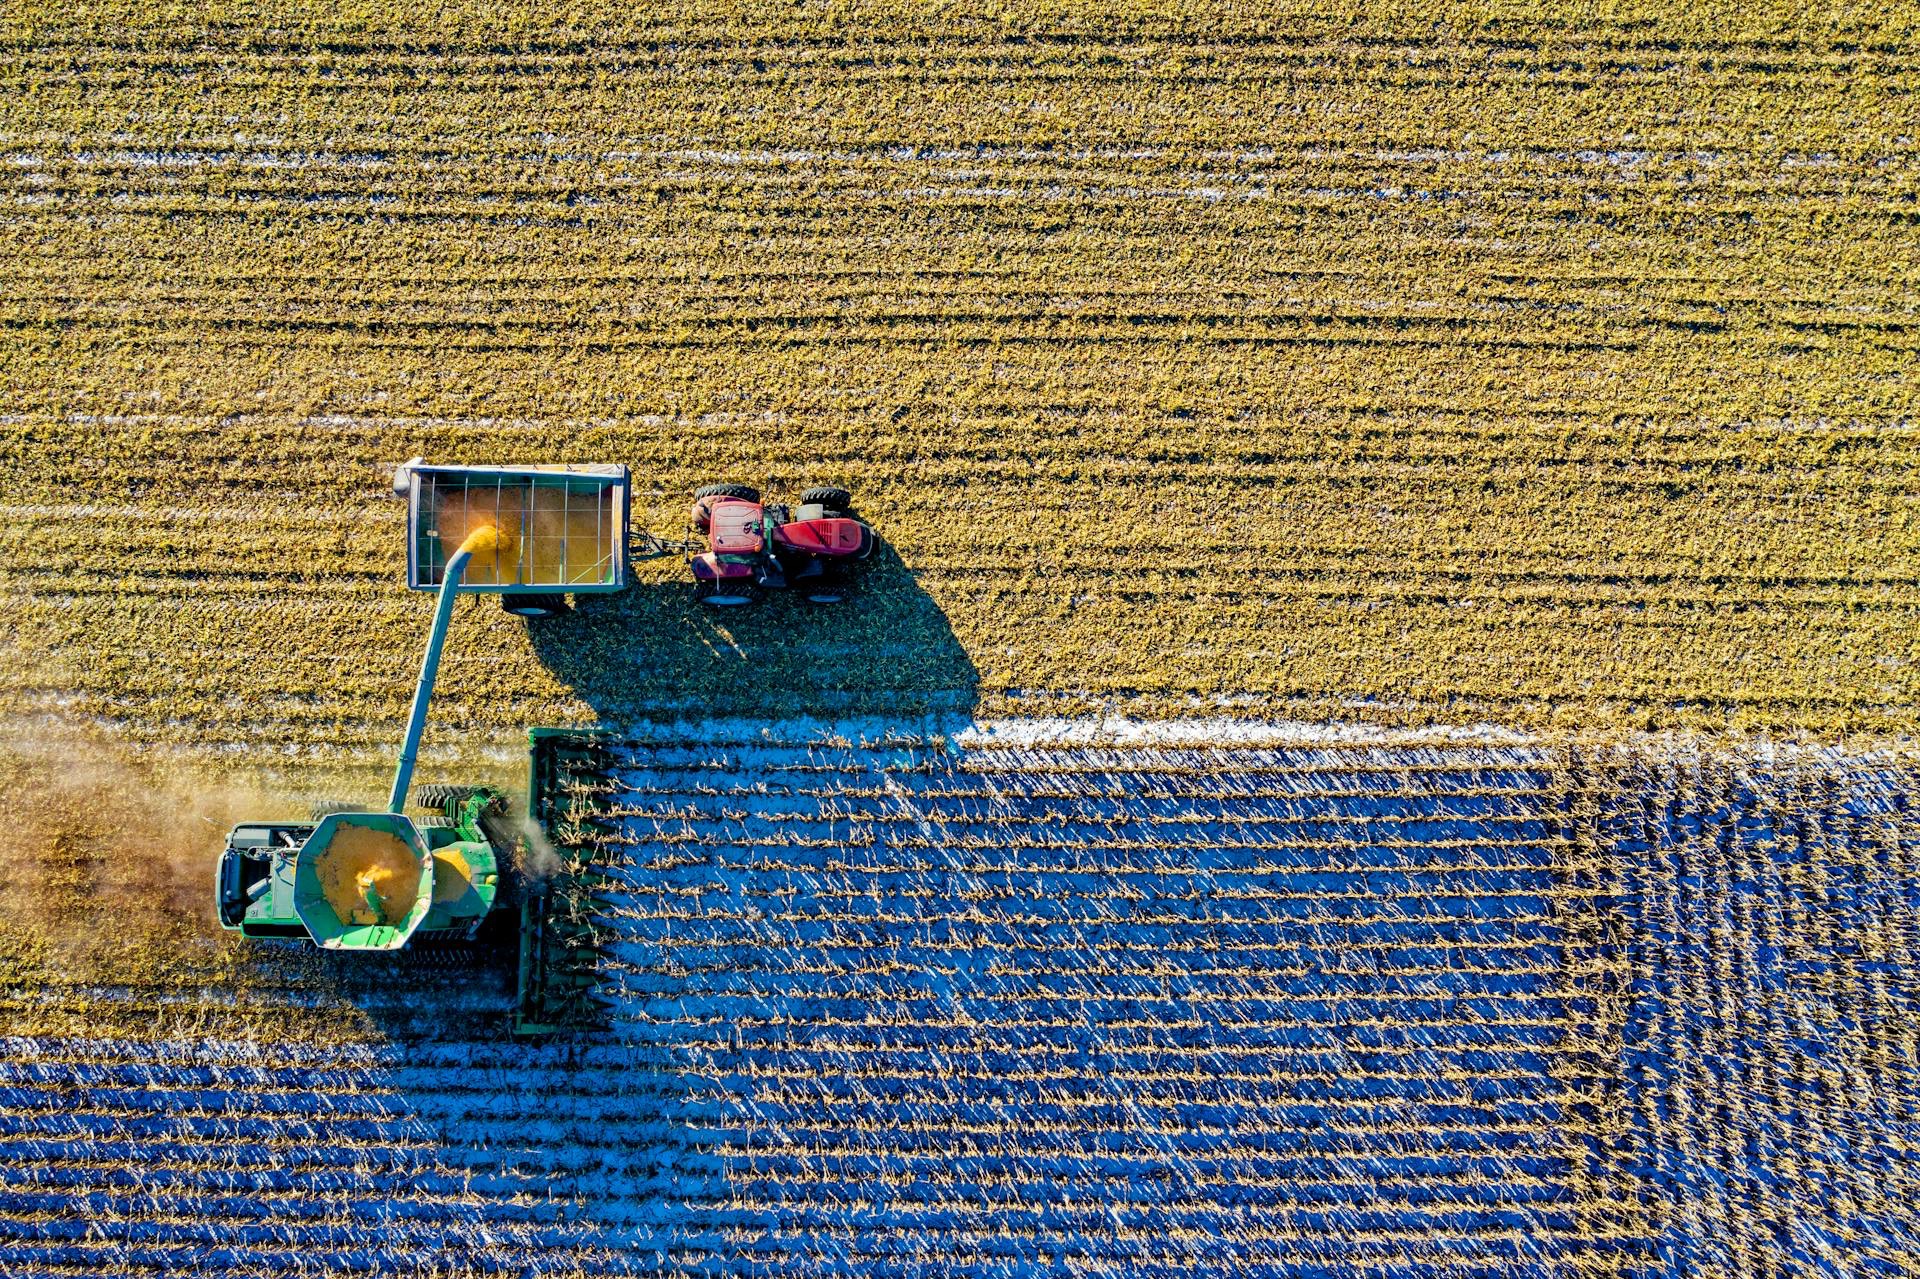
{"type": "Point", "coordinates": [809, 547]}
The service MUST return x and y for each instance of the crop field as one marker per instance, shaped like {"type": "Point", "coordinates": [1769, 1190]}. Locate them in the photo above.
{"type": "Point", "coordinates": [1379, 742]}
{"type": "Point", "coordinates": [1477, 363]}
{"type": "Point", "coordinates": [1041, 1002]}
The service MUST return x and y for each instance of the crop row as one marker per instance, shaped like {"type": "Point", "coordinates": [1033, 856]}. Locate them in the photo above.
{"type": "Point", "coordinates": [1528, 370]}
{"type": "Point", "coordinates": [1283, 1045]}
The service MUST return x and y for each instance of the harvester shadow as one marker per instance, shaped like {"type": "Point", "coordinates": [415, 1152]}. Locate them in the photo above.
{"type": "Point", "coordinates": [653, 652]}
{"type": "Point", "coordinates": [437, 989]}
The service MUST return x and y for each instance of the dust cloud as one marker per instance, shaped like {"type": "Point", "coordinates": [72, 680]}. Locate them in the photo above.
{"type": "Point", "coordinates": [96, 842]}
{"type": "Point", "coordinates": [539, 859]}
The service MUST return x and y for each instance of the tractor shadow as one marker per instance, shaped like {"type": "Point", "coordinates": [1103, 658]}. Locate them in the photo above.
{"type": "Point", "coordinates": [652, 652]}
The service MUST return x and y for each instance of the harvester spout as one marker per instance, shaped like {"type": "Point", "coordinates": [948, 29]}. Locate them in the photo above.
{"type": "Point", "coordinates": [486, 541]}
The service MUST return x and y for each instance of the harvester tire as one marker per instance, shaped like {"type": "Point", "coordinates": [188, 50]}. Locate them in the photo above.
{"type": "Point", "coordinates": [838, 501]}
{"type": "Point", "coordinates": [745, 492]}
{"type": "Point", "coordinates": [532, 606]}
{"type": "Point", "coordinates": [328, 807]}
{"type": "Point", "coordinates": [432, 823]}
{"type": "Point", "coordinates": [439, 794]}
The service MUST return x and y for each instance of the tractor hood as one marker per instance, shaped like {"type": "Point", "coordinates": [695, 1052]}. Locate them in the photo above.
{"type": "Point", "coordinates": [835, 538]}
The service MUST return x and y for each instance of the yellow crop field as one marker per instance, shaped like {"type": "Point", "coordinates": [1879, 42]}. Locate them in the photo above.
{"type": "Point", "coordinates": [1441, 365]}
{"type": "Point", "coordinates": [1379, 738]}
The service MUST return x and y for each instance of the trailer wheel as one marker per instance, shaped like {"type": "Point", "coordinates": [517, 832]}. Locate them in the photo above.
{"type": "Point", "coordinates": [535, 605]}
{"type": "Point", "coordinates": [838, 501]}
{"type": "Point", "coordinates": [745, 492]}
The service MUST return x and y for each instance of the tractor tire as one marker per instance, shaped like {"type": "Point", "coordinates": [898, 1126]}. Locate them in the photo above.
{"type": "Point", "coordinates": [328, 807]}
{"type": "Point", "coordinates": [439, 795]}
{"type": "Point", "coordinates": [536, 606]}
{"type": "Point", "coordinates": [728, 592]}
{"type": "Point", "coordinates": [745, 492]}
{"type": "Point", "coordinates": [837, 500]}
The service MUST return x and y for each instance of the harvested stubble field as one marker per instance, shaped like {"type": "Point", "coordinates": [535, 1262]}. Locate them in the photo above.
{"type": "Point", "coordinates": [1474, 363]}
{"type": "Point", "coordinates": [1469, 364]}
{"type": "Point", "coordinates": [1348, 1006]}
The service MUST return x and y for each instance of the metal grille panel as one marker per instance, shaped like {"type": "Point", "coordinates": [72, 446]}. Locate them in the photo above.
{"type": "Point", "coordinates": [566, 527]}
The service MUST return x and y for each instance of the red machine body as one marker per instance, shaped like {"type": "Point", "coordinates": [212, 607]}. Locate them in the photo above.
{"type": "Point", "coordinates": [832, 537]}
{"type": "Point", "coordinates": [754, 544]}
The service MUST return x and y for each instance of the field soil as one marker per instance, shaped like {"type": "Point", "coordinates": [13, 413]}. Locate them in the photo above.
{"type": "Point", "coordinates": [1378, 742]}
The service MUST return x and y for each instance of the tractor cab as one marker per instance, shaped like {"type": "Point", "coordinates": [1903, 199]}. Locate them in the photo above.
{"type": "Point", "coordinates": [754, 545]}
{"type": "Point", "coordinates": [736, 527]}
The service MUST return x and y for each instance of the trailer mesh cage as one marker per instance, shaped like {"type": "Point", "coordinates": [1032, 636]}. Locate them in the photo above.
{"type": "Point", "coordinates": [566, 526]}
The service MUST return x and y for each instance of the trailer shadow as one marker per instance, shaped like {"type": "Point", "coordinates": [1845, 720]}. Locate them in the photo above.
{"type": "Point", "coordinates": [653, 652]}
